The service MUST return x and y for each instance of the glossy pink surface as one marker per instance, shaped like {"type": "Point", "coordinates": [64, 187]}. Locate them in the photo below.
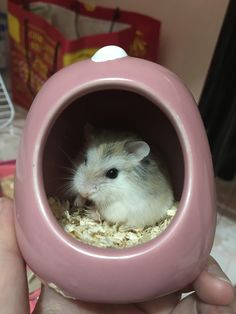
{"type": "Point", "coordinates": [156, 268]}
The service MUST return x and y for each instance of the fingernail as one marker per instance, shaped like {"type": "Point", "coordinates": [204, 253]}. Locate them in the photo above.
{"type": "Point", "coordinates": [215, 271]}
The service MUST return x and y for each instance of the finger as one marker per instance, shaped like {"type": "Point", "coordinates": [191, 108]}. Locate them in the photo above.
{"type": "Point", "coordinates": [13, 283]}
{"type": "Point", "coordinates": [52, 302]}
{"type": "Point", "coordinates": [163, 305]}
{"type": "Point", "coordinates": [213, 286]}
{"type": "Point", "coordinates": [192, 304]}
{"type": "Point", "coordinates": [233, 304]}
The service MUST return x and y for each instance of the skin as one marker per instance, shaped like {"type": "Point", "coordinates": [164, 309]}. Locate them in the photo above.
{"type": "Point", "coordinates": [213, 293]}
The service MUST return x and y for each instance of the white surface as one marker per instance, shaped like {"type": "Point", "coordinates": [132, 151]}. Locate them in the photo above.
{"type": "Point", "coordinates": [109, 53]}
{"type": "Point", "coordinates": [224, 248]}
{"type": "Point", "coordinates": [10, 136]}
{"type": "Point", "coordinates": [188, 34]}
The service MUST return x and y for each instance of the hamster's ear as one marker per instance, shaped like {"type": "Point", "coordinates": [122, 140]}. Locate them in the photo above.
{"type": "Point", "coordinates": [139, 149]}
{"type": "Point", "coordinates": [88, 131]}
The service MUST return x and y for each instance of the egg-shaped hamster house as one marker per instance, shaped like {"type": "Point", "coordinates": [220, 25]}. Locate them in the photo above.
{"type": "Point", "coordinates": [143, 97]}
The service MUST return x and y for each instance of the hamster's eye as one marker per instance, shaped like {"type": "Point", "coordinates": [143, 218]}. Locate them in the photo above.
{"type": "Point", "coordinates": [85, 160]}
{"type": "Point", "coordinates": [112, 173]}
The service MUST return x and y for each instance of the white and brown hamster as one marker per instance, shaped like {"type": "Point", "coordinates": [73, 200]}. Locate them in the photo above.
{"type": "Point", "coordinates": [122, 179]}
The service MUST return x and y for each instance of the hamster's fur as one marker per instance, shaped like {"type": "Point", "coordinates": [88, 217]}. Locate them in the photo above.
{"type": "Point", "coordinates": [141, 192]}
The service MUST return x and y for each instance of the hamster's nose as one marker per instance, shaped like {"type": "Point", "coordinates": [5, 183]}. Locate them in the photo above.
{"type": "Point", "coordinates": [87, 191]}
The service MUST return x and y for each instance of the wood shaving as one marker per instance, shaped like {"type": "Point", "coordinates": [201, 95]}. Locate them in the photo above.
{"type": "Point", "coordinates": [7, 186]}
{"type": "Point", "coordinates": [101, 233]}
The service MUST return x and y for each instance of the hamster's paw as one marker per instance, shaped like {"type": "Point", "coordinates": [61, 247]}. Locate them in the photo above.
{"type": "Point", "coordinates": [93, 214]}
{"type": "Point", "coordinates": [79, 202]}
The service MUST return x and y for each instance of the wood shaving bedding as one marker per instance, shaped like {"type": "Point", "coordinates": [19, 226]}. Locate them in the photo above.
{"type": "Point", "coordinates": [7, 186]}
{"type": "Point", "coordinates": [101, 233]}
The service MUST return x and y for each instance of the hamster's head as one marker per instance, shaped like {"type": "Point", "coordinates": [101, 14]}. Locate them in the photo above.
{"type": "Point", "coordinates": [108, 169]}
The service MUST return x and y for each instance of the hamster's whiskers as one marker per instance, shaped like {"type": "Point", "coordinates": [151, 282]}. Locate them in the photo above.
{"type": "Point", "coordinates": [66, 189]}
{"type": "Point", "coordinates": [68, 157]}
{"type": "Point", "coordinates": [70, 170]}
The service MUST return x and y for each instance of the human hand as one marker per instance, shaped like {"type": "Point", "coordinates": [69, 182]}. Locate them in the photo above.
{"type": "Point", "coordinates": [213, 292]}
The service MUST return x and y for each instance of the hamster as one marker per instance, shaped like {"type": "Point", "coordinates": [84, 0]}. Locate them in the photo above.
{"type": "Point", "coordinates": [121, 179]}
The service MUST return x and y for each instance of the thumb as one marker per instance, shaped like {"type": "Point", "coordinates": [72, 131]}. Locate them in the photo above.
{"type": "Point", "coordinates": [212, 286]}
{"type": "Point", "coordinates": [13, 284]}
